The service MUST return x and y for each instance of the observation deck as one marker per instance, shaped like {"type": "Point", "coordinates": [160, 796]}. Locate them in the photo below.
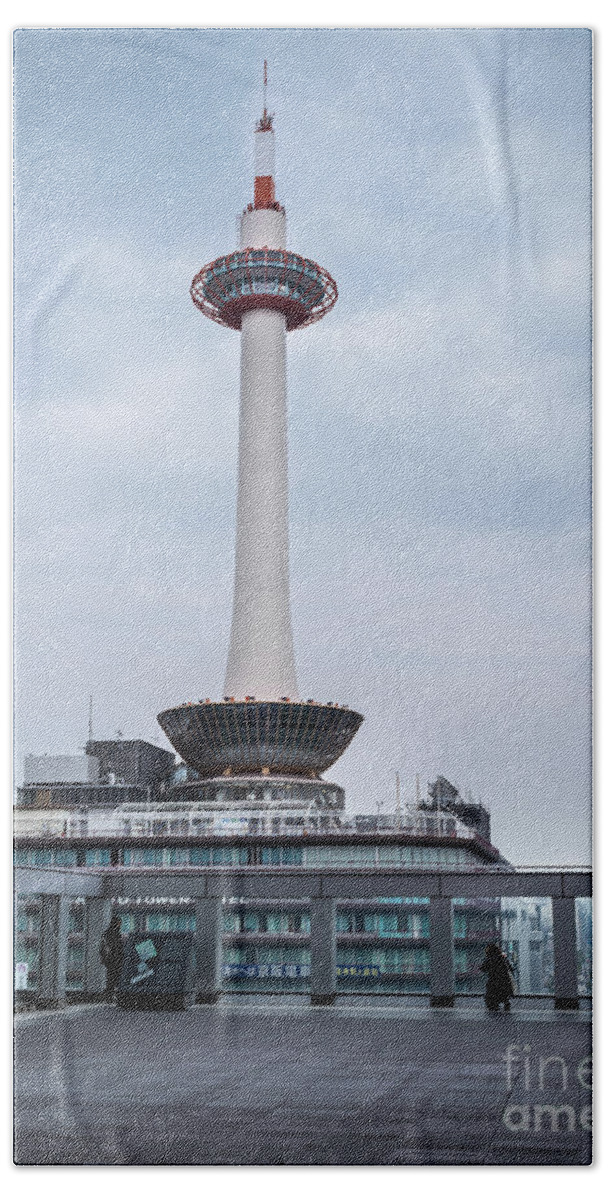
{"type": "Point", "coordinates": [260, 737]}
{"type": "Point", "coordinates": [264, 278]}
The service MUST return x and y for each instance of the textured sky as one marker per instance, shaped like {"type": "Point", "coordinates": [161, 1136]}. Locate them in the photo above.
{"type": "Point", "coordinates": [439, 417]}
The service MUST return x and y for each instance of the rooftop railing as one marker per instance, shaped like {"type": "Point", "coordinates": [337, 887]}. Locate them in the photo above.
{"type": "Point", "coordinates": [153, 821]}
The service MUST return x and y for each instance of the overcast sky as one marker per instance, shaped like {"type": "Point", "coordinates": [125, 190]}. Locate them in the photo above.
{"type": "Point", "coordinates": [439, 416]}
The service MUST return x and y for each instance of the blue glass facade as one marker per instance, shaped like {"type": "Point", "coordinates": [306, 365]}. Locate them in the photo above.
{"type": "Point", "coordinates": [304, 852]}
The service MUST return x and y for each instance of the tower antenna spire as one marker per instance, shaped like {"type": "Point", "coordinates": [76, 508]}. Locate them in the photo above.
{"type": "Point", "coordinates": [264, 125]}
{"type": "Point", "coordinates": [90, 718]}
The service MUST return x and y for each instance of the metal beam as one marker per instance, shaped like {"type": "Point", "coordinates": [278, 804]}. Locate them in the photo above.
{"type": "Point", "coordinates": [53, 881]}
{"type": "Point", "coordinates": [268, 883]}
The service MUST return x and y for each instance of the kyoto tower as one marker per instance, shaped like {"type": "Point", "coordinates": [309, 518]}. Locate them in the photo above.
{"type": "Point", "coordinates": [262, 727]}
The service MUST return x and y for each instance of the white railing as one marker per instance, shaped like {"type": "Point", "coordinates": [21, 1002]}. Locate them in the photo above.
{"type": "Point", "coordinates": [155, 822]}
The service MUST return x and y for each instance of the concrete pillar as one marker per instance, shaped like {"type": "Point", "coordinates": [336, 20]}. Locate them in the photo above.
{"type": "Point", "coordinates": [441, 930]}
{"type": "Point", "coordinates": [53, 958]}
{"type": "Point", "coordinates": [564, 952]}
{"type": "Point", "coordinates": [322, 951]}
{"type": "Point", "coordinates": [260, 653]}
{"type": "Point", "coordinates": [208, 941]}
{"type": "Point", "coordinates": [97, 916]}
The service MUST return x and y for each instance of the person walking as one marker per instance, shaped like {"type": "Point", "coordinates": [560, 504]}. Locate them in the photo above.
{"type": "Point", "coordinates": [111, 954]}
{"type": "Point", "coordinates": [499, 982]}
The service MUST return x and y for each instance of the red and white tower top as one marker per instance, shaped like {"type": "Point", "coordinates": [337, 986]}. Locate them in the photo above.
{"type": "Point", "coordinates": [263, 188]}
{"type": "Point", "coordinates": [263, 273]}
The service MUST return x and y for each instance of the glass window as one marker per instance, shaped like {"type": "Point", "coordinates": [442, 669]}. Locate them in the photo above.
{"type": "Point", "coordinates": [148, 856]}
{"type": "Point", "coordinates": [327, 856]}
{"type": "Point", "coordinates": [41, 858]}
{"type": "Point", "coordinates": [200, 856]}
{"type": "Point", "coordinates": [387, 924]}
{"type": "Point", "coordinates": [64, 858]}
{"type": "Point", "coordinates": [390, 855]}
{"type": "Point", "coordinates": [165, 922]}
{"type": "Point", "coordinates": [584, 943]}
{"type": "Point", "coordinates": [97, 857]}
{"type": "Point", "coordinates": [76, 918]}
{"type": "Point", "coordinates": [422, 960]}
{"type": "Point", "coordinates": [271, 855]}
{"type": "Point", "coordinates": [28, 919]}
{"type": "Point", "coordinates": [75, 956]}
{"type": "Point", "coordinates": [418, 925]}
{"type": "Point", "coordinates": [343, 921]}
{"type": "Point", "coordinates": [176, 856]}
{"type": "Point", "coordinates": [229, 856]}
{"type": "Point", "coordinates": [291, 856]}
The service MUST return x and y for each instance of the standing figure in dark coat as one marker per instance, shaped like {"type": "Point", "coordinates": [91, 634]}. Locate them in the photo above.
{"type": "Point", "coordinates": [499, 983]}
{"type": "Point", "coordinates": [110, 953]}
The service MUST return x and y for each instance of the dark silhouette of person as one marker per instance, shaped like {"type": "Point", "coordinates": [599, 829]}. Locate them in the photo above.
{"type": "Point", "coordinates": [111, 954]}
{"type": "Point", "coordinates": [499, 982]}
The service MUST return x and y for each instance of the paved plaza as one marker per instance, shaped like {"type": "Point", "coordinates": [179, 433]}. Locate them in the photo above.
{"type": "Point", "coordinates": [257, 1080]}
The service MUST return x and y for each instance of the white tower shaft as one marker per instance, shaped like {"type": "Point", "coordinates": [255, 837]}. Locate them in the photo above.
{"type": "Point", "coordinates": [260, 656]}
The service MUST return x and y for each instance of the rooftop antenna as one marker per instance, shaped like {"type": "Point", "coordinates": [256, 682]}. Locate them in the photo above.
{"type": "Point", "coordinates": [398, 797]}
{"type": "Point", "coordinates": [265, 124]}
{"type": "Point", "coordinates": [417, 790]}
{"type": "Point", "coordinates": [90, 718]}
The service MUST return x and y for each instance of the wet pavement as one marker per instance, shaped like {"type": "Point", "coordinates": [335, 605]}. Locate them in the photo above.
{"type": "Point", "coordinates": [256, 1080]}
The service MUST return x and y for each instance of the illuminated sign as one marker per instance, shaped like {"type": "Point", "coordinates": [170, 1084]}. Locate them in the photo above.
{"type": "Point", "coordinates": [357, 971]}
{"type": "Point", "coordinates": [266, 970]}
